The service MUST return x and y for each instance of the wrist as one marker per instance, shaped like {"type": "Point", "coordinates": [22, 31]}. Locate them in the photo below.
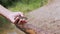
{"type": "Point", "coordinates": [6, 13]}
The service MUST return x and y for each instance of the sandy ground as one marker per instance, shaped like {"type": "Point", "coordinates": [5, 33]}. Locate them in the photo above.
{"type": "Point", "coordinates": [46, 19]}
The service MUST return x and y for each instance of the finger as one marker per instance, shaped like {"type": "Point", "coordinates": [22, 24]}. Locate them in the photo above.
{"type": "Point", "coordinates": [23, 17]}
{"type": "Point", "coordinates": [16, 20]}
{"type": "Point", "coordinates": [19, 21]}
{"type": "Point", "coordinates": [17, 16]}
{"type": "Point", "coordinates": [22, 21]}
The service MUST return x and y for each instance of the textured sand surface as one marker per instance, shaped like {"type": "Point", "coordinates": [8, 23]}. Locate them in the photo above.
{"type": "Point", "coordinates": [46, 19]}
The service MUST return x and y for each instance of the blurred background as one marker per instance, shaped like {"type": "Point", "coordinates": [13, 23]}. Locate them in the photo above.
{"type": "Point", "coordinates": [24, 6]}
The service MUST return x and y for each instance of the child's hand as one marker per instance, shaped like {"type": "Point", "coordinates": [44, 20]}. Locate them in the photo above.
{"type": "Point", "coordinates": [14, 17]}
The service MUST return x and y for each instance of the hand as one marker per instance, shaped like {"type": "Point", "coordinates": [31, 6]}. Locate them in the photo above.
{"type": "Point", "coordinates": [14, 17]}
